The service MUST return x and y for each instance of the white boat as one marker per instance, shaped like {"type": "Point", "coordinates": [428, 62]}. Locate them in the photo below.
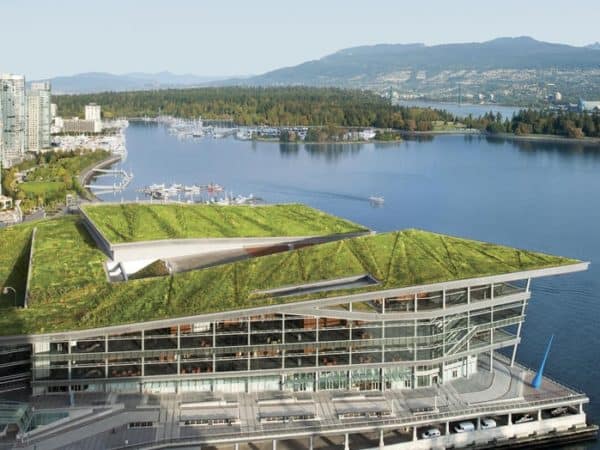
{"type": "Point", "coordinates": [376, 199]}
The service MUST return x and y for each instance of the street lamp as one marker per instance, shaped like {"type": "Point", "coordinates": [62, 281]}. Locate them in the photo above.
{"type": "Point", "coordinates": [8, 289]}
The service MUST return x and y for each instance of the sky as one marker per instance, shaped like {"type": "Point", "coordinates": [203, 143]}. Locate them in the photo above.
{"type": "Point", "coordinates": [43, 39]}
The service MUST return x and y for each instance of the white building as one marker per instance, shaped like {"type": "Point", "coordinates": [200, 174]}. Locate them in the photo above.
{"type": "Point", "coordinates": [13, 119]}
{"type": "Point", "coordinates": [92, 112]}
{"type": "Point", "coordinates": [39, 117]}
{"type": "Point", "coordinates": [585, 105]}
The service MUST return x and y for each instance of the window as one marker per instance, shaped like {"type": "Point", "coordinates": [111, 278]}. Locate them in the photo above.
{"type": "Point", "coordinates": [140, 424]}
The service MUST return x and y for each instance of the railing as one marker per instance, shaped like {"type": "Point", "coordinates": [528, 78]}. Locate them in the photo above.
{"type": "Point", "coordinates": [341, 427]}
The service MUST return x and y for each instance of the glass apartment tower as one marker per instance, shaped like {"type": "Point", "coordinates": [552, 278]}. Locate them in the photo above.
{"type": "Point", "coordinates": [13, 118]}
{"type": "Point", "coordinates": [39, 117]}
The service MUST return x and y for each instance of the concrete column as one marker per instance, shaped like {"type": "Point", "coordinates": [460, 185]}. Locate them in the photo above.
{"type": "Point", "coordinates": [178, 349]}
{"type": "Point", "coordinates": [381, 443]}
{"type": "Point", "coordinates": [581, 408]}
{"type": "Point", "coordinates": [539, 414]}
{"type": "Point", "coordinates": [249, 343]}
{"type": "Point", "coordinates": [106, 356]}
{"type": "Point", "coordinates": [143, 346]}
{"type": "Point", "coordinates": [274, 444]}
{"type": "Point", "coordinates": [479, 423]}
{"type": "Point", "coordinates": [414, 433]}
{"type": "Point", "coordinates": [310, 443]}
{"type": "Point", "coordinates": [236, 446]}
{"type": "Point", "coordinates": [509, 419]}
{"type": "Point", "coordinates": [447, 432]}
{"type": "Point", "coordinates": [346, 442]}
{"type": "Point", "coordinates": [69, 362]}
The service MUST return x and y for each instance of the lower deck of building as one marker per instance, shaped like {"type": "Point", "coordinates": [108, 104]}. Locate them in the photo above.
{"type": "Point", "coordinates": [291, 420]}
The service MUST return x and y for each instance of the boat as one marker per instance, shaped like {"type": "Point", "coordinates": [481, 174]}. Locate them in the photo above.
{"type": "Point", "coordinates": [377, 199]}
{"type": "Point", "coordinates": [213, 187]}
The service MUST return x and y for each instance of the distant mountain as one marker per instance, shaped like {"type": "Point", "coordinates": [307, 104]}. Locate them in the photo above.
{"type": "Point", "coordinates": [594, 46]}
{"type": "Point", "coordinates": [364, 64]}
{"type": "Point", "coordinates": [101, 81]}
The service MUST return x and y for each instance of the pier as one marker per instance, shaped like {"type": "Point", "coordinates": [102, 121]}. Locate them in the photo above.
{"type": "Point", "coordinates": [126, 179]}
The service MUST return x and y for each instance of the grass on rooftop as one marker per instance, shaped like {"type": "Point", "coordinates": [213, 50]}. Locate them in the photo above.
{"type": "Point", "coordinates": [134, 222]}
{"type": "Point", "coordinates": [69, 289]}
{"type": "Point", "coordinates": [14, 259]}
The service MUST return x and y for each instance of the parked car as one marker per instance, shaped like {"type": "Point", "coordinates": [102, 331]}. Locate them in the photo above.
{"type": "Point", "coordinates": [488, 423]}
{"type": "Point", "coordinates": [464, 427]}
{"type": "Point", "coordinates": [431, 433]}
{"type": "Point", "coordinates": [525, 418]}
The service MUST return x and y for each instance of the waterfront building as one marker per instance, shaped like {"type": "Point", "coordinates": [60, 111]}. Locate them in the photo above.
{"type": "Point", "coordinates": [13, 118]}
{"type": "Point", "coordinates": [281, 321]}
{"type": "Point", "coordinates": [39, 116]}
{"type": "Point", "coordinates": [76, 125]}
{"type": "Point", "coordinates": [92, 112]}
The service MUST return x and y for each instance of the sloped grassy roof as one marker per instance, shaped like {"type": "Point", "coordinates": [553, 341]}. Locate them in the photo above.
{"type": "Point", "coordinates": [134, 222]}
{"type": "Point", "coordinates": [14, 257]}
{"type": "Point", "coordinates": [69, 289]}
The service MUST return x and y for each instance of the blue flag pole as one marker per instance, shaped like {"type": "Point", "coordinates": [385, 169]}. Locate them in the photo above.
{"type": "Point", "coordinates": [537, 380]}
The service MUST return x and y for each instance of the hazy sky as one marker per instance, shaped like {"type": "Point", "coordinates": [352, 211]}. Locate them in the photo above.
{"type": "Point", "coordinates": [226, 37]}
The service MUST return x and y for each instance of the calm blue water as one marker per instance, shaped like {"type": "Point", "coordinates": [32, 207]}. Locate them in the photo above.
{"type": "Point", "coordinates": [537, 196]}
{"type": "Point", "coordinates": [464, 109]}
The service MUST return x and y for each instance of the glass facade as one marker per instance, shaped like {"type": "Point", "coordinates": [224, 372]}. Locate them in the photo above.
{"type": "Point", "coordinates": [408, 341]}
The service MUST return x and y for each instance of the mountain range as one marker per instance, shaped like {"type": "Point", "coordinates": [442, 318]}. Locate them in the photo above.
{"type": "Point", "coordinates": [89, 82]}
{"type": "Point", "coordinates": [367, 63]}
{"type": "Point", "coordinates": [508, 69]}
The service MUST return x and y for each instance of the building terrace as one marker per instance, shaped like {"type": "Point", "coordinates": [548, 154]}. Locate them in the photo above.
{"type": "Point", "coordinates": [69, 288]}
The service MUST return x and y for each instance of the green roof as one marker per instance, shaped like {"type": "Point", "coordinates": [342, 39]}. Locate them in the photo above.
{"type": "Point", "coordinates": [69, 289]}
{"type": "Point", "coordinates": [134, 222]}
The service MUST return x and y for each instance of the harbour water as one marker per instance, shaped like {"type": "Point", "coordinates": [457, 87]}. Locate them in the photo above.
{"type": "Point", "coordinates": [464, 109]}
{"type": "Point", "coordinates": [539, 196]}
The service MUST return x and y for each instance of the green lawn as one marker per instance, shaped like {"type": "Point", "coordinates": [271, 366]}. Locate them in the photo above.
{"type": "Point", "coordinates": [69, 289]}
{"type": "Point", "coordinates": [143, 222]}
{"type": "Point", "coordinates": [42, 187]}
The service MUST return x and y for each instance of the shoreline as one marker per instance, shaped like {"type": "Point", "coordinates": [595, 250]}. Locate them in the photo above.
{"type": "Point", "coordinates": [545, 138]}
{"type": "Point", "coordinates": [88, 173]}
{"type": "Point", "coordinates": [542, 138]}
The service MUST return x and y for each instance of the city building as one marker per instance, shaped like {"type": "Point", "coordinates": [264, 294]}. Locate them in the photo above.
{"type": "Point", "coordinates": [92, 112]}
{"type": "Point", "coordinates": [589, 106]}
{"type": "Point", "coordinates": [76, 125]}
{"type": "Point", "coordinates": [13, 118]}
{"type": "Point", "coordinates": [39, 116]}
{"type": "Point", "coordinates": [228, 325]}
